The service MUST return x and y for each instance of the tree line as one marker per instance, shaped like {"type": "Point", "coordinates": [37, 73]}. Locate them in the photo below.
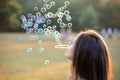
{"type": "Point", "coordinates": [94, 14]}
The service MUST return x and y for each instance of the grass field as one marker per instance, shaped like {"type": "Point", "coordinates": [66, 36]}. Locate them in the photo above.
{"type": "Point", "coordinates": [17, 64]}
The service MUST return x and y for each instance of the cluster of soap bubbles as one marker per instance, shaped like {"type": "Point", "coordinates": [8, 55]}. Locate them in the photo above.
{"type": "Point", "coordinates": [40, 22]}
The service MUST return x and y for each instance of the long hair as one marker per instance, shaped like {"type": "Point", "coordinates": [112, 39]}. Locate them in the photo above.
{"type": "Point", "coordinates": [91, 59]}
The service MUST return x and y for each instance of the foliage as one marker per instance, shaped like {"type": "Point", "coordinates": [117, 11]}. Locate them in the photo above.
{"type": "Point", "coordinates": [9, 10]}
{"type": "Point", "coordinates": [88, 18]}
{"type": "Point", "coordinates": [84, 13]}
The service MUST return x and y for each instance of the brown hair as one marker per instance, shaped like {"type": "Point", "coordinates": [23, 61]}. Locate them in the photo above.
{"type": "Point", "coordinates": [91, 58]}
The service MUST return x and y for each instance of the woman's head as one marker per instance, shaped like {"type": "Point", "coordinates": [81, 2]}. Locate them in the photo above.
{"type": "Point", "coordinates": [90, 57]}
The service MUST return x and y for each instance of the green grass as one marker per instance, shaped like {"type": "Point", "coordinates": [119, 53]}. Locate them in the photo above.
{"type": "Point", "coordinates": [17, 64]}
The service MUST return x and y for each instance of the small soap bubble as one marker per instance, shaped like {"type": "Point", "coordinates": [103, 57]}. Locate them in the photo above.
{"type": "Point", "coordinates": [38, 14]}
{"type": "Point", "coordinates": [48, 33]}
{"type": "Point", "coordinates": [29, 30]}
{"type": "Point", "coordinates": [57, 39]}
{"type": "Point", "coordinates": [30, 20]}
{"type": "Point", "coordinates": [44, 25]}
{"type": "Point", "coordinates": [35, 26]}
{"type": "Point", "coordinates": [50, 14]}
{"type": "Point", "coordinates": [23, 18]}
{"type": "Point", "coordinates": [49, 28]}
{"type": "Point", "coordinates": [52, 3]}
{"type": "Point", "coordinates": [40, 31]}
{"type": "Point", "coordinates": [59, 20]}
{"type": "Point", "coordinates": [39, 41]}
{"type": "Point", "coordinates": [34, 37]}
{"type": "Point", "coordinates": [42, 19]}
{"type": "Point", "coordinates": [66, 12]}
{"type": "Point", "coordinates": [31, 24]}
{"type": "Point", "coordinates": [48, 6]}
{"type": "Point", "coordinates": [45, 30]}
{"type": "Point", "coordinates": [48, 21]}
{"type": "Point", "coordinates": [54, 15]}
{"type": "Point", "coordinates": [36, 8]}
{"type": "Point", "coordinates": [43, 9]}
{"type": "Point", "coordinates": [41, 50]}
{"type": "Point", "coordinates": [54, 27]}
{"type": "Point", "coordinates": [33, 17]}
{"type": "Point", "coordinates": [69, 25]}
{"type": "Point", "coordinates": [46, 62]}
{"type": "Point", "coordinates": [46, 1]}
{"type": "Point", "coordinates": [68, 18]}
{"type": "Point", "coordinates": [29, 15]}
{"type": "Point", "coordinates": [60, 14]}
{"type": "Point", "coordinates": [24, 26]}
{"type": "Point", "coordinates": [61, 9]}
{"type": "Point", "coordinates": [29, 49]}
{"type": "Point", "coordinates": [63, 25]}
{"type": "Point", "coordinates": [66, 3]}
{"type": "Point", "coordinates": [45, 5]}
{"type": "Point", "coordinates": [31, 38]}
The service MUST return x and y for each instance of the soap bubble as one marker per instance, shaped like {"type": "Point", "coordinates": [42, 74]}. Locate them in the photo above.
{"type": "Point", "coordinates": [29, 15]}
{"type": "Point", "coordinates": [63, 25]}
{"type": "Point", "coordinates": [57, 39]}
{"type": "Point", "coordinates": [48, 6]}
{"type": "Point", "coordinates": [30, 20]}
{"type": "Point", "coordinates": [40, 31]}
{"type": "Point", "coordinates": [52, 3]}
{"type": "Point", "coordinates": [54, 15]}
{"type": "Point", "coordinates": [69, 25]}
{"type": "Point", "coordinates": [66, 3]}
{"type": "Point", "coordinates": [48, 33]}
{"type": "Point", "coordinates": [35, 25]}
{"type": "Point", "coordinates": [66, 12]}
{"type": "Point", "coordinates": [36, 8]}
{"type": "Point", "coordinates": [50, 14]}
{"type": "Point", "coordinates": [23, 18]}
{"type": "Point", "coordinates": [41, 50]}
{"type": "Point", "coordinates": [29, 49]}
{"type": "Point", "coordinates": [68, 18]}
{"type": "Point", "coordinates": [59, 20]}
{"type": "Point", "coordinates": [46, 16]}
{"type": "Point", "coordinates": [38, 14]}
{"type": "Point", "coordinates": [39, 41]}
{"type": "Point", "coordinates": [33, 17]}
{"type": "Point", "coordinates": [45, 5]}
{"type": "Point", "coordinates": [44, 25]}
{"type": "Point", "coordinates": [29, 30]}
{"type": "Point", "coordinates": [46, 62]}
{"type": "Point", "coordinates": [54, 27]}
{"type": "Point", "coordinates": [48, 21]}
{"type": "Point", "coordinates": [34, 37]}
{"type": "Point", "coordinates": [49, 28]}
{"type": "Point", "coordinates": [43, 9]}
{"type": "Point", "coordinates": [60, 14]}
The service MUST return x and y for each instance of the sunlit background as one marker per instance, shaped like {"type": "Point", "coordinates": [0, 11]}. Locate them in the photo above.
{"type": "Point", "coordinates": [21, 57]}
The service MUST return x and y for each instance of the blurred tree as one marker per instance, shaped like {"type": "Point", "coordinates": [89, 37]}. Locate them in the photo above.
{"type": "Point", "coordinates": [9, 9]}
{"type": "Point", "coordinates": [84, 13]}
{"type": "Point", "coordinates": [110, 14]}
{"type": "Point", "coordinates": [88, 18]}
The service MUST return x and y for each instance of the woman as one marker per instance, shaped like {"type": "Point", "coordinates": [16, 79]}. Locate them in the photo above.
{"type": "Point", "coordinates": [90, 57]}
